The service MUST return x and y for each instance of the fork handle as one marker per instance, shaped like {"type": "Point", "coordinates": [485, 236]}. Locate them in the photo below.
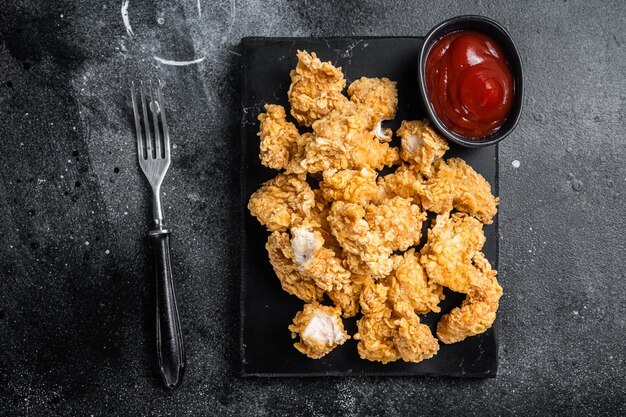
{"type": "Point", "coordinates": [170, 349]}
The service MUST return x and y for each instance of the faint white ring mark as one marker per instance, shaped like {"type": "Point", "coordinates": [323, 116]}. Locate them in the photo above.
{"type": "Point", "coordinates": [179, 63]}
{"type": "Point", "coordinates": [129, 29]}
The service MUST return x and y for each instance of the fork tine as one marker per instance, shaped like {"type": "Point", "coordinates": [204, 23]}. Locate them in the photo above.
{"type": "Point", "coordinates": [166, 133]}
{"type": "Point", "coordinates": [140, 151]}
{"type": "Point", "coordinates": [155, 105]}
{"type": "Point", "coordinates": [146, 120]}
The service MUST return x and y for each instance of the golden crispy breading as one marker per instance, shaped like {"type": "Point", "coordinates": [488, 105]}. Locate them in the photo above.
{"type": "Point", "coordinates": [472, 193]}
{"type": "Point", "coordinates": [376, 328]}
{"type": "Point", "coordinates": [375, 336]}
{"type": "Point", "coordinates": [409, 284]}
{"type": "Point", "coordinates": [421, 145]}
{"type": "Point", "coordinates": [292, 279]}
{"type": "Point", "coordinates": [478, 311]}
{"type": "Point", "coordinates": [303, 260]}
{"type": "Point", "coordinates": [321, 204]}
{"type": "Point", "coordinates": [356, 265]}
{"type": "Point", "coordinates": [315, 261]}
{"type": "Point", "coordinates": [413, 340]}
{"type": "Point", "coordinates": [353, 186]}
{"type": "Point", "coordinates": [397, 221]}
{"type": "Point", "coordinates": [373, 232]}
{"type": "Point", "coordinates": [370, 152]}
{"type": "Point", "coordinates": [320, 329]}
{"type": "Point", "coordinates": [326, 270]}
{"type": "Point", "coordinates": [456, 184]}
{"type": "Point", "coordinates": [373, 300]}
{"type": "Point", "coordinates": [343, 140]}
{"type": "Point", "coordinates": [380, 98]}
{"type": "Point", "coordinates": [282, 202]}
{"type": "Point", "coordinates": [354, 234]}
{"type": "Point", "coordinates": [451, 184]}
{"type": "Point", "coordinates": [315, 88]}
{"type": "Point", "coordinates": [347, 298]}
{"type": "Point", "coordinates": [436, 195]}
{"type": "Point", "coordinates": [447, 256]}
{"type": "Point", "coordinates": [318, 219]}
{"type": "Point", "coordinates": [321, 208]}
{"type": "Point", "coordinates": [385, 335]}
{"type": "Point", "coordinates": [281, 145]}
{"type": "Point", "coordinates": [404, 182]}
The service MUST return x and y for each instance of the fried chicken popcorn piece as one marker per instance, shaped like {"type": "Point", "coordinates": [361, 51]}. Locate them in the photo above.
{"type": "Point", "coordinates": [472, 193]}
{"type": "Point", "coordinates": [343, 140]}
{"type": "Point", "coordinates": [282, 147]}
{"type": "Point", "coordinates": [304, 266]}
{"type": "Point", "coordinates": [320, 329]}
{"type": "Point", "coordinates": [315, 88]}
{"type": "Point", "coordinates": [354, 234]}
{"type": "Point", "coordinates": [316, 261]}
{"type": "Point", "coordinates": [376, 327]}
{"type": "Point", "coordinates": [370, 234]}
{"type": "Point", "coordinates": [379, 96]}
{"type": "Point", "coordinates": [447, 256]}
{"type": "Point", "coordinates": [282, 202]}
{"type": "Point", "coordinates": [386, 335]}
{"type": "Point", "coordinates": [409, 285]}
{"type": "Point", "coordinates": [321, 208]}
{"type": "Point", "coordinates": [373, 300]}
{"type": "Point", "coordinates": [478, 311]}
{"type": "Point", "coordinates": [347, 298]}
{"type": "Point", "coordinates": [420, 144]}
{"type": "Point", "coordinates": [375, 336]}
{"type": "Point", "coordinates": [404, 182]}
{"type": "Point", "coordinates": [318, 218]}
{"type": "Point", "coordinates": [436, 195]}
{"type": "Point", "coordinates": [413, 340]}
{"type": "Point", "coordinates": [305, 244]}
{"type": "Point", "coordinates": [293, 280]}
{"type": "Point", "coordinates": [357, 266]}
{"type": "Point", "coordinates": [353, 186]}
{"type": "Point", "coordinates": [397, 221]}
{"type": "Point", "coordinates": [456, 184]}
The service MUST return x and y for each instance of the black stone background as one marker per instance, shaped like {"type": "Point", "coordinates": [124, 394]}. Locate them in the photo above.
{"type": "Point", "coordinates": [76, 332]}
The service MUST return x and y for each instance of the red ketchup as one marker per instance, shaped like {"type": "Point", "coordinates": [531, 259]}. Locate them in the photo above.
{"type": "Point", "coordinates": [469, 83]}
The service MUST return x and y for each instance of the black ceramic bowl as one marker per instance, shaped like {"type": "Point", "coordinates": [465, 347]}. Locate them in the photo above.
{"type": "Point", "coordinates": [494, 30]}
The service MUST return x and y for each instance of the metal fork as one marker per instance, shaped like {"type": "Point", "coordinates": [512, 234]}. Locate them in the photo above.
{"type": "Point", "coordinates": [153, 149]}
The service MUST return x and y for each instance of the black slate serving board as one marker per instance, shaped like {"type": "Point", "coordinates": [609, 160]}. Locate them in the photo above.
{"type": "Point", "coordinates": [266, 310]}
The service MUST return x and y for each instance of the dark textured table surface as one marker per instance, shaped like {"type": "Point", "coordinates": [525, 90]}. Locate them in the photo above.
{"type": "Point", "coordinates": [76, 302]}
